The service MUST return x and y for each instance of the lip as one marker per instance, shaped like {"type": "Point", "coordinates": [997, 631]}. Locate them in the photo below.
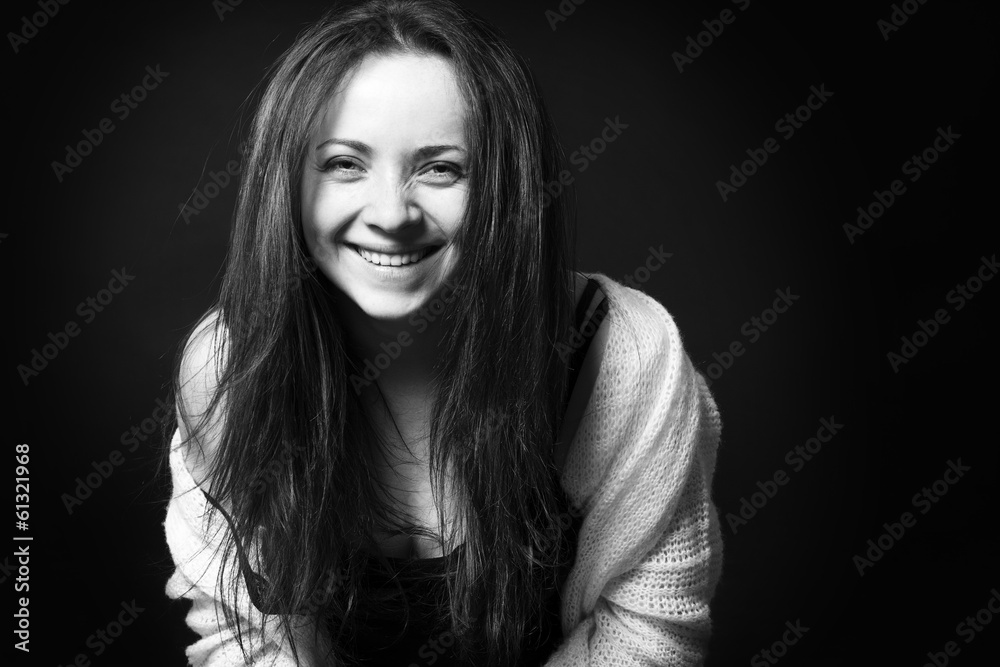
{"type": "Point", "coordinates": [385, 250]}
{"type": "Point", "coordinates": [429, 251]}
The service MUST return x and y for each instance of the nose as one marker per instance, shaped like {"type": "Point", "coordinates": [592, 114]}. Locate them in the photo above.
{"type": "Point", "coordinates": [390, 206]}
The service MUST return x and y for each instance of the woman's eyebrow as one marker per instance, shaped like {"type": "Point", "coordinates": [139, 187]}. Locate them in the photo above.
{"type": "Point", "coordinates": [422, 153]}
{"type": "Point", "coordinates": [359, 146]}
{"type": "Point", "coordinates": [425, 152]}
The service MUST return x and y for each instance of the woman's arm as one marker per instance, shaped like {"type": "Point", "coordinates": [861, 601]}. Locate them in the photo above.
{"type": "Point", "coordinates": [196, 549]}
{"type": "Point", "coordinates": [197, 544]}
{"type": "Point", "coordinates": [650, 550]}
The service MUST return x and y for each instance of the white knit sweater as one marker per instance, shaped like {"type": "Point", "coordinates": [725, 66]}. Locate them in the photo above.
{"type": "Point", "coordinates": [640, 470]}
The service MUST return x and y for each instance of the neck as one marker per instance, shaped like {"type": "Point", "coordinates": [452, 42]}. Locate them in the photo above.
{"type": "Point", "coordinates": [396, 353]}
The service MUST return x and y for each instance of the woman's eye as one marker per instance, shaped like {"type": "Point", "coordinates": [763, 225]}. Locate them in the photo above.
{"type": "Point", "coordinates": [442, 172]}
{"type": "Point", "coordinates": [342, 166]}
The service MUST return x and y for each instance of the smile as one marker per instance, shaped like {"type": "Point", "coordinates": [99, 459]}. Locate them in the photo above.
{"type": "Point", "coordinates": [394, 259]}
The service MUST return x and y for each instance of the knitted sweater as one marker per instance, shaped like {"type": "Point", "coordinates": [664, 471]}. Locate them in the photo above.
{"type": "Point", "coordinates": [639, 469]}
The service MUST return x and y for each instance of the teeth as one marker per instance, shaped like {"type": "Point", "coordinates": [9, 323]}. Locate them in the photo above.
{"type": "Point", "coordinates": [392, 260]}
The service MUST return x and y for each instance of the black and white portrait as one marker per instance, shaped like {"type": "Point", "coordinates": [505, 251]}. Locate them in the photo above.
{"type": "Point", "coordinates": [544, 334]}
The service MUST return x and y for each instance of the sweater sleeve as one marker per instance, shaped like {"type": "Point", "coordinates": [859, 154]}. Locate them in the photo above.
{"type": "Point", "coordinates": [640, 470]}
{"type": "Point", "coordinates": [195, 545]}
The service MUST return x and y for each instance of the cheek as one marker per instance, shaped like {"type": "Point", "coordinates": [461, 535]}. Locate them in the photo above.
{"type": "Point", "coordinates": [322, 216]}
{"type": "Point", "coordinates": [447, 207]}
{"type": "Point", "coordinates": [316, 229]}
{"type": "Point", "coordinates": [310, 233]}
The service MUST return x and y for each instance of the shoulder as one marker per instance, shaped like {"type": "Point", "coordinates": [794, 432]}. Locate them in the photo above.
{"type": "Point", "coordinates": [200, 369]}
{"type": "Point", "coordinates": [642, 334]}
{"type": "Point", "coordinates": [641, 370]}
{"type": "Point", "coordinates": [651, 412]}
{"type": "Point", "coordinates": [646, 372]}
{"type": "Point", "coordinates": [637, 350]}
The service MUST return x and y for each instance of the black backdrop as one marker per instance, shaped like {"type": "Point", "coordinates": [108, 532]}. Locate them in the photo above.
{"type": "Point", "coordinates": [655, 185]}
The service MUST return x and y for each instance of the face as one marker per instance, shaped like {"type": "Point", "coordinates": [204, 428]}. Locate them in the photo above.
{"type": "Point", "coordinates": [384, 183]}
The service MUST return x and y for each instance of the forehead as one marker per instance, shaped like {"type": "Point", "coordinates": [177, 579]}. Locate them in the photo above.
{"type": "Point", "coordinates": [397, 100]}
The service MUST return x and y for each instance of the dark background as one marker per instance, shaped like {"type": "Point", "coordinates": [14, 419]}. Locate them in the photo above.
{"type": "Point", "coordinates": [655, 185]}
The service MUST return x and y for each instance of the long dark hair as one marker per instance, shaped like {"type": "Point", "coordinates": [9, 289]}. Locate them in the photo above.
{"type": "Point", "coordinates": [285, 366]}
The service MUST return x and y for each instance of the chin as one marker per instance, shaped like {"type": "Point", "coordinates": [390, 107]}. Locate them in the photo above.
{"type": "Point", "coordinates": [389, 309]}
{"type": "Point", "coordinates": [384, 306]}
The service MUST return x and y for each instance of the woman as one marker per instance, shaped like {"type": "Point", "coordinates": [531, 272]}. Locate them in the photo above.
{"type": "Point", "coordinates": [400, 440]}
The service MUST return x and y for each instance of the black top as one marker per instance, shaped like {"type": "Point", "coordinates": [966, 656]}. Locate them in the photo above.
{"type": "Point", "coordinates": [379, 640]}
{"type": "Point", "coordinates": [377, 636]}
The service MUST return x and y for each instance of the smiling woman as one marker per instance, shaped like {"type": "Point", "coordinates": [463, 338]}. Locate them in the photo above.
{"type": "Point", "coordinates": [506, 490]}
{"type": "Point", "coordinates": [384, 194]}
